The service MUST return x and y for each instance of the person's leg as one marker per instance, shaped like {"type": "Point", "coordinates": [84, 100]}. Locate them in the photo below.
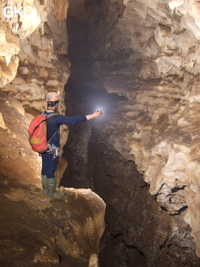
{"type": "Point", "coordinates": [51, 166]}
{"type": "Point", "coordinates": [49, 169]}
{"type": "Point", "coordinates": [45, 162]}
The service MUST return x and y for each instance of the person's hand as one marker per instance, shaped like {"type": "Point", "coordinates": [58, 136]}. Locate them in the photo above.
{"type": "Point", "coordinates": [96, 114]}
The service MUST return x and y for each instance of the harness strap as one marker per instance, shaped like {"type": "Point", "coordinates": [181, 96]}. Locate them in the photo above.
{"type": "Point", "coordinates": [52, 137]}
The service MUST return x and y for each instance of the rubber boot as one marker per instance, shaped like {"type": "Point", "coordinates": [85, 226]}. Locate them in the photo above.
{"type": "Point", "coordinates": [44, 184]}
{"type": "Point", "coordinates": [52, 189]}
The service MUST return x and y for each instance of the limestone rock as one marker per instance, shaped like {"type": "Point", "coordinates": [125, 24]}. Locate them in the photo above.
{"type": "Point", "coordinates": [60, 9]}
{"type": "Point", "coordinates": [2, 123]}
{"type": "Point", "coordinates": [55, 231]}
{"type": "Point", "coordinates": [84, 225]}
{"type": "Point", "coordinates": [153, 52]}
{"type": "Point", "coordinates": [27, 38]}
{"type": "Point", "coordinates": [18, 162]}
{"type": "Point", "coordinates": [33, 61]}
{"type": "Point", "coordinates": [93, 261]}
{"type": "Point", "coordinates": [33, 53]}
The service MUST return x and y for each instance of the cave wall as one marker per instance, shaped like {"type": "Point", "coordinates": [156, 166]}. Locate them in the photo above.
{"type": "Point", "coordinates": [33, 61]}
{"type": "Point", "coordinates": [148, 52]}
{"type": "Point", "coordinates": [37, 230]}
{"type": "Point", "coordinates": [138, 229]}
{"type": "Point", "coordinates": [139, 232]}
{"type": "Point", "coordinates": [145, 55]}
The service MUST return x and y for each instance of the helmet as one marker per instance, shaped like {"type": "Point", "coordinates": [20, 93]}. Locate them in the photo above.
{"type": "Point", "coordinates": [52, 97]}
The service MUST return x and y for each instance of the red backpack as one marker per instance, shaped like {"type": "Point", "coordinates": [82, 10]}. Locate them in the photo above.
{"type": "Point", "coordinates": [38, 133]}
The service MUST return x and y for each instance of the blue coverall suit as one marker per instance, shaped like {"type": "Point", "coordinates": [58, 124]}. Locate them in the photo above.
{"type": "Point", "coordinates": [50, 162]}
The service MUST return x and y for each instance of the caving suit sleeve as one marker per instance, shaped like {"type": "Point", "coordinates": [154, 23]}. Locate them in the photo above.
{"type": "Point", "coordinates": [60, 119]}
{"type": "Point", "coordinates": [53, 125]}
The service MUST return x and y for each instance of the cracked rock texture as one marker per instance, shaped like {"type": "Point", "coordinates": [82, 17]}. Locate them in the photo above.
{"type": "Point", "coordinates": [145, 72]}
{"type": "Point", "coordinates": [148, 52]}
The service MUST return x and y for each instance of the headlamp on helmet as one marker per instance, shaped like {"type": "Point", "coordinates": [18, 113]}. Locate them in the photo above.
{"type": "Point", "coordinates": [52, 97]}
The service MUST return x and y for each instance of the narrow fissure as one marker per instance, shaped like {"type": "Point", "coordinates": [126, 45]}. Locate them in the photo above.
{"type": "Point", "coordinates": [135, 224]}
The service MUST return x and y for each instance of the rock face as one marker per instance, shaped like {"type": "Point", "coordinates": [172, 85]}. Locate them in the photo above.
{"type": "Point", "coordinates": [18, 161]}
{"type": "Point", "coordinates": [33, 61]}
{"type": "Point", "coordinates": [39, 41]}
{"type": "Point", "coordinates": [145, 57]}
{"type": "Point", "coordinates": [44, 232]}
{"type": "Point", "coordinates": [158, 76]}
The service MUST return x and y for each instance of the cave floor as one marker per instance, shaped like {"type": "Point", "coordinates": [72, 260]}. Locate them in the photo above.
{"type": "Point", "coordinates": [27, 236]}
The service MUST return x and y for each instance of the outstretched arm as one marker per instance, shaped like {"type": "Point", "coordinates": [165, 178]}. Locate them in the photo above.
{"type": "Point", "coordinates": [61, 119]}
{"type": "Point", "coordinates": [96, 114]}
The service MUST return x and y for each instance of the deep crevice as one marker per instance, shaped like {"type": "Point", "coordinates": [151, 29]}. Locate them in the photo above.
{"type": "Point", "coordinates": [94, 163]}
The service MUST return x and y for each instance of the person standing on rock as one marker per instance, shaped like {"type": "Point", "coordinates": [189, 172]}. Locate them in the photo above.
{"type": "Point", "coordinates": [51, 156]}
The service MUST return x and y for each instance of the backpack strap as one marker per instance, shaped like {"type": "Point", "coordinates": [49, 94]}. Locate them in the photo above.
{"type": "Point", "coordinates": [49, 116]}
